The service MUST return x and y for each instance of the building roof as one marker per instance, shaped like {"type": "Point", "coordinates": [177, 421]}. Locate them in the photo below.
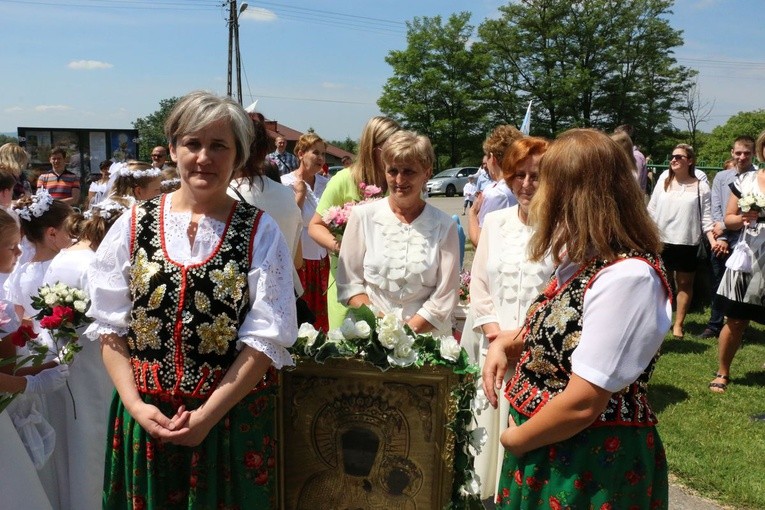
{"type": "Point", "coordinates": [275, 129]}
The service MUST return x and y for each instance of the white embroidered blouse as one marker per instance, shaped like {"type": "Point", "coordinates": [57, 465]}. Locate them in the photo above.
{"type": "Point", "coordinates": [270, 326]}
{"type": "Point", "coordinates": [503, 282]}
{"type": "Point", "coordinates": [405, 269]}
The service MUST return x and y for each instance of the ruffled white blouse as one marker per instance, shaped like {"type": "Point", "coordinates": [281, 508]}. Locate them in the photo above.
{"type": "Point", "coordinates": [404, 269]}
{"type": "Point", "coordinates": [311, 249]}
{"type": "Point", "coordinates": [271, 324]}
{"type": "Point", "coordinates": [503, 282]}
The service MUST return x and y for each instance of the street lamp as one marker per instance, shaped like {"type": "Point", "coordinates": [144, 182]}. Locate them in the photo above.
{"type": "Point", "coordinates": [233, 46]}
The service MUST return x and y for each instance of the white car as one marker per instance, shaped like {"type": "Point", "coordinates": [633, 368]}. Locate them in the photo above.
{"type": "Point", "coordinates": [450, 182]}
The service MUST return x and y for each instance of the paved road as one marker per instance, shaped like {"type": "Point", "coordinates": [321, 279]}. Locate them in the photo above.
{"type": "Point", "coordinates": [679, 498]}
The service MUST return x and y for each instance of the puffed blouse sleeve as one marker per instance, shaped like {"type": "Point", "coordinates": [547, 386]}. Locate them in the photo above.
{"type": "Point", "coordinates": [481, 303]}
{"type": "Point", "coordinates": [612, 353]}
{"type": "Point", "coordinates": [350, 263]}
{"type": "Point", "coordinates": [108, 279]}
{"type": "Point", "coordinates": [706, 207]}
{"type": "Point", "coordinates": [271, 324]}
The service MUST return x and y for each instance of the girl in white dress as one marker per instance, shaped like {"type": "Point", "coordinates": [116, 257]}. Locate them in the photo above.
{"type": "Point", "coordinates": [89, 382]}
{"type": "Point", "coordinates": [20, 485]}
{"type": "Point", "coordinates": [400, 253]}
{"type": "Point", "coordinates": [136, 181]}
{"type": "Point", "coordinates": [42, 223]}
{"type": "Point", "coordinates": [503, 284]}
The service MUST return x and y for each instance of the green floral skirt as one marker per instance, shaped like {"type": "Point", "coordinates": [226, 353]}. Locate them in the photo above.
{"type": "Point", "coordinates": [233, 468]}
{"type": "Point", "coordinates": [601, 468]}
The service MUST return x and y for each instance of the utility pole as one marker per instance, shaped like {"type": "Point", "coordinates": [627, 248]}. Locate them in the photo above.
{"type": "Point", "coordinates": [233, 48]}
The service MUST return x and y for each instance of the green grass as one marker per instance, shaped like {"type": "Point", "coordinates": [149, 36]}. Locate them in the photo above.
{"type": "Point", "coordinates": [712, 445]}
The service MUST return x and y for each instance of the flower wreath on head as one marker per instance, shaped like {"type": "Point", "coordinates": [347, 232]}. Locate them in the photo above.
{"type": "Point", "coordinates": [124, 170]}
{"type": "Point", "coordinates": [171, 182]}
{"type": "Point", "coordinates": [41, 202]}
{"type": "Point", "coordinates": [105, 209]}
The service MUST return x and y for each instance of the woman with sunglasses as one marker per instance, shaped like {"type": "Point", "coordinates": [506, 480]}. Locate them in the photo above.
{"type": "Point", "coordinates": [681, 208]}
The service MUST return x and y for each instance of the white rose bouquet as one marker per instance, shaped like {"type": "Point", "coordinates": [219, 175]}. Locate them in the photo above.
{"type": "Point", "coordinates": [61, 311]}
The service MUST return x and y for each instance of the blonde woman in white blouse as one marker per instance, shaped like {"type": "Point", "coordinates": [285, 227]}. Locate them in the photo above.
{"type": "Point", "coordinates": [503, 284]}
{"type": "Point", "coordinates": [399, 253]}
{"type": "Point", "coordinates": [675, 206]}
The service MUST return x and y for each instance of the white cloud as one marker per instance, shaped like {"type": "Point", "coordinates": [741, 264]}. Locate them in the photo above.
{"type": "Point", "coordinates": [52, 108]}
{"type": "Point", "coordinates": [88, 65]}
{"type": "Point", "coordinates": [258, 14]}
{"type": "Point", "coordinates": [330, 85]}
{"type": "Point", "coordinates": [13, 109]}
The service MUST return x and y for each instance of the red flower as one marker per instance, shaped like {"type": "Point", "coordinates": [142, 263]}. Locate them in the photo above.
{"type": "Point", "coordinates": [632, 477]}
{"type": "Point", "coordinates": [517, 477]}
{"type": "Point", "coordinates": [116, 442]}
{"type": "Point", "coordinates": [649, 440]}
{"type": "Point", "coordinates": [61, 315]}
{"type": "Point", "coordinates": [271, 462]}
{"type": "Point", "coordinates": [612, 444]}
{"type": "Point", "coordinates": [579, 484]}
{"type": "Point", "coordinates": [606, 506]}
{"type": "Point", "coordinates": [262, 478]}
{"type": "Point", "coordinates": [551, 453]}
{"type": "Point", "coordinates": [193, 479]}
{"type": "Point", "coordinates": [139, 503]}
{"type": "Point", "coordinates": [555, 504]}
{"type": "Point", "coordinates": [22, 335]}
{"type": "Point", "coordinates": [150, 451]}
{"type": "Point", "coordinates": [253, 460]}
{"type": "Point", "coordinates": [505, 492]}
{"type": "Point", "coordinates": [534, 483]}
{"type": "Point", "coordinates": [587, 476]}
{"type": "Point", "coordinates": [195, 459]}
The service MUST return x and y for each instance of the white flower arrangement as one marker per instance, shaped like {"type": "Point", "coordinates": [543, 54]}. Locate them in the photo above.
{"type": "Point", "coordinates": [41, 202]}
{"type": "Point", "coordinates": [106, 209]}
{"type": "Point", "coordinates": [752, 202]}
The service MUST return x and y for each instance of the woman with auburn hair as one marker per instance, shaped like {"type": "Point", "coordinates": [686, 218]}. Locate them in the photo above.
{"type": "Point", "coordinates": [581, 432]}
{"type": "Point", "coordinates": [308, 185]}
{"type": "Point", "coordinates": [344, 187]}
{"type": "Point", "coordinates": [503, 282]}
{"type": "Point", "coordinates": [682, 209]}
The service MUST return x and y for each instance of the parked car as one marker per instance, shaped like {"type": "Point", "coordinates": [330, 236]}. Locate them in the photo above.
{"type": "Point", "coordinates": [450, 182]}
{"type": "Point", "coordinates": [334, 169]}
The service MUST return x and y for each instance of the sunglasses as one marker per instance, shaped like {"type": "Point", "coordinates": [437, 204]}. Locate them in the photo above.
{"type": "Point", "coordinates": [678, 156]}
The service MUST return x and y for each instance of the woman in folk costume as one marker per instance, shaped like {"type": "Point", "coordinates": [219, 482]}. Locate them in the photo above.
{"type": "Point", "coordinates": [193, 304]}
{"type": "Point", "coordinates": [581, 433]}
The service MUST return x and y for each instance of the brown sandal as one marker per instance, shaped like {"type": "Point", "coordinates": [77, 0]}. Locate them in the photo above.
{"type": "Point", "coordinates": [716, 387]}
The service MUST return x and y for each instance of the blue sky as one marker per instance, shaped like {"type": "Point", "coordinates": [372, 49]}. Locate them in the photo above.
{"type": "Point", "coordinates": [320, 64]}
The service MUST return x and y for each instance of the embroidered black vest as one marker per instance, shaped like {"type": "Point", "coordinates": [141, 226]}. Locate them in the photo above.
{"type": "Point", "coordinates": [554, 326]}
{"type": "Point", "coordinates": [185, 319]}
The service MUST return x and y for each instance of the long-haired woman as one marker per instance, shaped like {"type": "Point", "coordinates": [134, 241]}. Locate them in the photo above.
{"type": "Point", "coordinates": [368, 168]}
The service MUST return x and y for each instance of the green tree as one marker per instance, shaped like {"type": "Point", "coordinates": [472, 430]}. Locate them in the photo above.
{"type": "Point", "coordinates": [434, 84]}
{"type": "Point", "coordinates": [717, 147]}
{"type": "Point", "coordinates": [151, 129]}
{"type": "Point", "coordinates": [585, 63]}
{"type": "Point", "coordinates": [348, 144]}
{"type": "Point", "coordinates": [8, 139]}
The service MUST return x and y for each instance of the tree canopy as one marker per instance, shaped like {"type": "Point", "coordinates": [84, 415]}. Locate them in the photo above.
{"type": "Point", "coordinates": [718, 144]}
{"type": "Point", "coordinates": [434, 84]}
{"type": "Point", "coordinates": [583, 63]}
{"type": "Point", "coordinates": [151, 129]}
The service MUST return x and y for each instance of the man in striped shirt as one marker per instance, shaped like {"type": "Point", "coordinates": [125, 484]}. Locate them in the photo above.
{"type": "Point", "coordinates": [59, 182]}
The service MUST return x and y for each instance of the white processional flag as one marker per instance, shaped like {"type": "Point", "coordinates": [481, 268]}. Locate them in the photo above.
{"type": "Point", "coordinates": [526, 124]}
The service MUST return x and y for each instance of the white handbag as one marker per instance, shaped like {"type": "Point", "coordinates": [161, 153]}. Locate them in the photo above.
{"type": "Point", "coordinates": [741, 258]}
